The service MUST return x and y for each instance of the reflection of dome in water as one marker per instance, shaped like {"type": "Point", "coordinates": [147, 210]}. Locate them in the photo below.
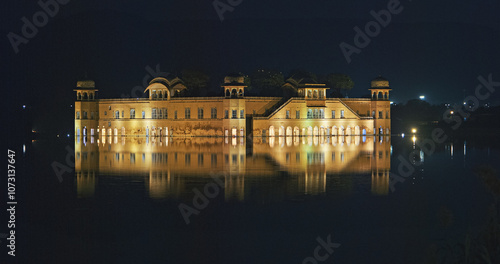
{"type": "Point", "coordinates": [380, 82]}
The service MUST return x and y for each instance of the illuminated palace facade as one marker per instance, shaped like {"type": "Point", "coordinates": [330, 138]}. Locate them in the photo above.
{"type": "Point", "coordinates": [165, 113]}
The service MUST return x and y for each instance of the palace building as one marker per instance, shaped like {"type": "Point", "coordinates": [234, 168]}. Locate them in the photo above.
{"type": "Point", "coordinates": [165, 113]}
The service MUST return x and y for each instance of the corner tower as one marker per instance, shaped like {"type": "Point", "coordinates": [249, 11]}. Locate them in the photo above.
{"type": "Point", "coordinates": [234, 86]}
{"type": "Point", "coordinates": [381, 106]}
{"type": "Point", "coordinates": [234, 107]}
{"type": "Point", "coordinates": [86, 109]}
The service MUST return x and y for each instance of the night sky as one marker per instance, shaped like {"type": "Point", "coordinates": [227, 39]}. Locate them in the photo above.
{"type": "Point", "coordinates": [429, 48]}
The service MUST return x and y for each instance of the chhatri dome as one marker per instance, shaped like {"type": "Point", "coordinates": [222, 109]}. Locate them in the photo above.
{"type": "Point", "coordinates": [380, 82]}
{"type": "Point", "coordinates": [234, 79]}
{"type": "Point", "coordinates": [85, 84]}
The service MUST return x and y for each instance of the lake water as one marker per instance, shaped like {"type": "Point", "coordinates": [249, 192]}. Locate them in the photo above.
{"type": "Point", "coordinates": [228, 200]}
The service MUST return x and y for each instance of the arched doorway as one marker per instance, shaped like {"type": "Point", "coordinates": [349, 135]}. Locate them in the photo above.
{"type": "Point", "coordinates": [271, 131]}
{"type": "Point", "coordinates": [316, 131]}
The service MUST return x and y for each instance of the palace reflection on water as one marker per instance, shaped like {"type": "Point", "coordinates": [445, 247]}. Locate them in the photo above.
{"type": "Point", "coordinates": [276, 167]}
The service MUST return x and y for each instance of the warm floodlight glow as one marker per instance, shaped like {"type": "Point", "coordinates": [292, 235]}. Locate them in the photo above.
{"type": "Point", "coordinates": [414, 130]}
{"type": "Point", "coordinates": [452, 112]}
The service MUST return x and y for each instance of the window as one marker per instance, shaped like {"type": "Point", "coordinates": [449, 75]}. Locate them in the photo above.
{"type": "Point", "coordinates": [213, 113]}
{"type": "Point", "coordinates": [160, 114]}
{"type": "Point", "coordinates": [200, 159]}
{"type": "Point", "coordinates": [373, 114]}
{"type": "Point", "coordinates": [297, 114]}
{"type": "Point", "coordinates": [109, 108]}
{"type": "Point", "coordinates": [233, 114]}
{"type": "Point", "coordinates": [143, 114]}
{"type": "Point", "coordinates": [342, 114]}
{"type": "Point", "coordinates": [380, 115]}
{"type": "Point", "coordinates": [175, 114]}
{"type": "Point", "coordinates": [387, 115]}
{"type": "Point", "coordinates": [315, 115]}
{"type": "Point", "coordinates": [153, 113]}
{"type": "Point", "coordinates": [165, 113]}
{"type": "Point", "coordinates": [200, 113]}
{"type": "Point", "coordinates": [213, 160]}
{"type": "Point", "coordinates": [117, 114]}
{"type": "Point", "coordinates": [333, 113]}
{"type": "Point", "coordinates": [123, 114]}
{"type": "Point", "coordinates": [242, 114]}
{"type": "Point", "coordinates": [321, 113]}
{"type": "Point", "coordinates": [368, 113]}
{"type": "Point", "coordinates": [92, 115]}
{"type": "Point", "coordinates": [287, 114]}
{"type": "Point", "coordinates": [132, 113]}
{"type": "Point", "coordinates": [78, 115]}
{"type": "Point", "coordinates": [105, 112]}
{"type": "Point", "coordinates": [226, 114]}
{"type": "Point", "coordinates": [187, 113]}
{"type": "Point", "coordinates": [309, 113]}
{"type": "Point", "coordinates": [84, 115]}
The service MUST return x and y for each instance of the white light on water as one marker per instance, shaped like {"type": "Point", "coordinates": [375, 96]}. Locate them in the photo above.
{"type": "Point", "coordinates": [24, 148]}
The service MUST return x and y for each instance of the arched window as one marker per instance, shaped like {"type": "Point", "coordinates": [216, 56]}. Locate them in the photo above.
{"type": "Point", "coordinates": [117, 114]}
